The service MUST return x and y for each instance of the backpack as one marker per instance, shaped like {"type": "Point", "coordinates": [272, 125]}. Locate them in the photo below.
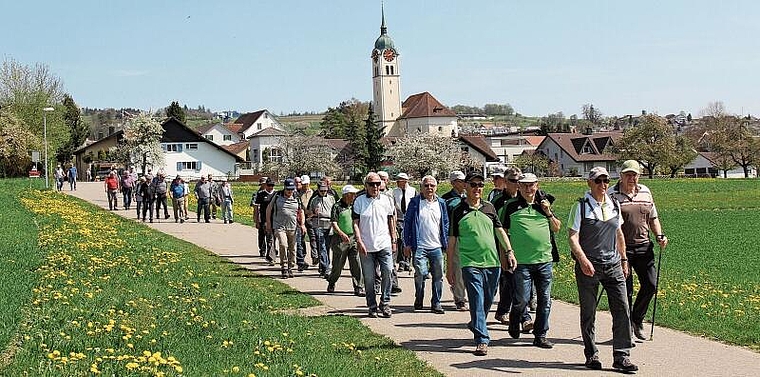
{"type": "Point", "coordinates": [582, 203]}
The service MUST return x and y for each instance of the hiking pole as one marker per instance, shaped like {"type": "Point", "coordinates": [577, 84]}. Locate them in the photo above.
{"type": "Point", "coordinates": [656, 291]}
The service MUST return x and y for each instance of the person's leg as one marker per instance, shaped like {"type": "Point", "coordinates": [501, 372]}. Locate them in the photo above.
{"type": "Point", "coordinates": [283, 241]}
{"type": "Point", "coordinates": [139, 208]}
{"type": "Point", "coordinates": [368, 268]}
{"type": "Point", "coordinates": [291, 243]}
{"type": "Point", "coordinates": [355, 266]}
{"type": "Point", "coordinates": [490, 284]}
{"type": "Point", "coordinates": [458, 290]}
{"type": "Point", "coordinates": [323, 240]}
{"type": "Point", "coordinates": [613, 282]}
{"type": "Point", "coordinates": [542, 280]}
{"type": "Point", "coordinates": [647, 273]}
{"type": "Point", "coordinates": [175, 209]}
{"type": "Point", "coordinates": [473, 281]}
{"type": "Point", "coordinates": [506, 290]}
{"type": "Point", "coordinates": [521, 295]}
{"type": "Point", "coordinates": [182, 202]}
{"type": "Point", "coordinates": [588, 287]}
{"type": "Point", "coordinates": [435, 257]}
{"type": "Point", "coordinates": [385, 259]}
{"type": "Point", "coordinates": [339, 254]}
{"type": "Point", "coordinates": [206, 215]}
{"type": "Point", "coordinates": [419, 258]}
{"type": "Point", "coordinates": [300, 249]}
{"type": "Point", "coordinates": [313, 246]}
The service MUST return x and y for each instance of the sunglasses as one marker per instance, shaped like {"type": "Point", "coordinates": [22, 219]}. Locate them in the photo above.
{"type": "Point", "coordinates": [374, 184]}
{"type": "Point", "coordinates": [477, 184]}
{"type": "Point", "coordinates": [599, 181]}
{"type": "Point", "coordinates": [513, 180]}
{"type": "Point", "coordinates": [428, 185]}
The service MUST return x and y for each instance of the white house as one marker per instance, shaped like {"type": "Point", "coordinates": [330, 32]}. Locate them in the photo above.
{"type": "Point", "coordinates": [576, 154]}
{"type": "Point", "coordinates": [510, 146]}
{"type": "Point", "coordinates": [266, 141]}
{"type": "Point", "coordinates": [220, 133]}
{"type": "Point", "coordinates": [423, 113]}
{"type": "Point", "coordinates": [706, 165]}
{"type": "Point", "coordinates": [251, 123]}
{"type": "Point", "coordinates": [190, 155]}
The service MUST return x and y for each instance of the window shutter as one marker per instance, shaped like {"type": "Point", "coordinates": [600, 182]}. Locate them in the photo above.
{"type": "Point", "coordinates": [179, 166]}
{"type": "Point", "coordinates": [198, 166]}
{"type": "Point", "coordinates": [179, 147]}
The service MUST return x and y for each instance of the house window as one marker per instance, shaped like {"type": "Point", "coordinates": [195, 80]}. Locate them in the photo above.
{"type": "Point", "coordinates": [258, 126]}
{"type": "Point", "coordinates": [210, 137]}
{"type": "Point", "coordinates": [191, 146]}
{"type": "Point", "coordinates": [227, 137]}
{"type": "Point", "coordinates": [391, 70]}
{"type": "Point", "coordinates": [188, 165]}
{"type": "Point", "coordinates": [587, 149]}
{"type": "Point", "coordinates": [275, 155]}
{"type": "Point", "coordinates": [266, 116]}
{"type": "Point", "coordinates": [174, 147]}
{"type": "Point", "coordinates": [465, 150]}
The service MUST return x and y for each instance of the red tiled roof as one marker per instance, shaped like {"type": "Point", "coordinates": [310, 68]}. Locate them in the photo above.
{"type": "Point", "coordinates": [534, 140]}
{"type": "Point", "coordinates": [234, 127]}
{"type": "Point", "coordinates": [572, 144]}
{"type": "Point", "coordinates": [481, 145]}
{"type": "Point", "coordinates": [423, 105]}
{"type": "Point", "coordinates": [237, 148]}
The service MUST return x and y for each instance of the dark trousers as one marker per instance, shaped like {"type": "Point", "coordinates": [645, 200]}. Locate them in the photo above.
{"type": "Point", "coordinates": [127, 194]}
{"type": "Point", "coordinates": [161, 201]}
{"type": "Point", "coordinates": [202, 207]}
{"type": "Point", "coordinates": [610, 276]}
{"type": "Point", "coordinates": [641, 260]}
{"type": "Point", "coordinates": [147, 207]}
{"type": "Point", "coordinates": [507, 296]}
{"type": "Point", "coordinates": [112, 200]}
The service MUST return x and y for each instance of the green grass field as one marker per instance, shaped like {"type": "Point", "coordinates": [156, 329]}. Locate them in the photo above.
{"type": "Point", "coordinates": [87, 292]}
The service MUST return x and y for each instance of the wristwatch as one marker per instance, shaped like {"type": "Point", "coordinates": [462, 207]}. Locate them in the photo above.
{"type": "Point", "coordinates": [660, 237]}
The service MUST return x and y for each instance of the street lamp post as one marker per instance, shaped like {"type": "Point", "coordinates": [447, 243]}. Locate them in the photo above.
{"type": "Point", "coordinates": [44, 128]}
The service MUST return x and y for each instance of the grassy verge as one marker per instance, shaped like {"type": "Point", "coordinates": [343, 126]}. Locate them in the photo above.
{"type": "Point", "coordinates": [113, 297]}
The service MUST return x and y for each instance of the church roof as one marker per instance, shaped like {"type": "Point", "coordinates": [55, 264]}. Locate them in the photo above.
{"type": "Point", "coordinates": [384, 41]}
{"type": "Point", "coordinates": [423, 105]}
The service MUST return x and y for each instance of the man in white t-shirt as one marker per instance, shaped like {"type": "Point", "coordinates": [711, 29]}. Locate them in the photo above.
{"type": "Point", "coordinates": [375, 231]}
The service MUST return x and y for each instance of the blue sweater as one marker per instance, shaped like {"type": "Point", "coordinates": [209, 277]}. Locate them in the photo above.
{"type": "Point", "coordinates": [410, 223]}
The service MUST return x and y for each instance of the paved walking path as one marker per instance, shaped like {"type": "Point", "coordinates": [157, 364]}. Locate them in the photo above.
{"type": "Point", "coordinates": [444, 341]}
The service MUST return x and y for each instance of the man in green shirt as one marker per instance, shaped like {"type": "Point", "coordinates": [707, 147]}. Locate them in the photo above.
{"type": "Point", "coordinates": [472, 239]}
{"type": "Point", "coordinates": [530, 223]}
{"type": "Point", "coordinates": [343, 242]}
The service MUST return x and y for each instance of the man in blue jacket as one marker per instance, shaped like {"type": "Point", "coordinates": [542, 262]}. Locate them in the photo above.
{"type": "Point", "coordinates": [426, 228]}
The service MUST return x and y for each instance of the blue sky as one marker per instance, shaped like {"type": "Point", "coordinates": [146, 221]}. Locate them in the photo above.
{"type": "Point", "coordinates": [288, 55]}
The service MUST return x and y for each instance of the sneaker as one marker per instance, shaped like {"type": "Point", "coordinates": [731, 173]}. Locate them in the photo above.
{"type": "Point", "coordinates": [176, 220]}
{"type": "Point", "coordinates": [514, 332]}
{"type": "Point", "coordinates": [481, 349]}
{"type": "Point", "coordinates": [372, 313]}
{"type": "Point", "coordinates": [330, 287]}
{"type": "Point", "coordinates": [271, 263]}
{"type": "Point", "coordinates": [359, 292]}
{"type": "Point", "coordinates": [527, 327]}
{"type": "Point", "coordinates": [386, 311]}
{"type": "Point", "coordinates": [502, 318]}
{"type": "Point", "coordinates": [166, 217]}
{"type": "Point", "coordinates": [181, 221]}
{"type": "Point", "coordinates": [395, 290]}
{"type": "Point", "coordinates": [284, 274]}
{"type": "Point", "coordinates": [624, 365]}
{"type": "Point", "coordinates": [230, 222]}
{"type": "Point", "coordinates": [417, 305]}
{"type": "Point", "coordinates": [290, 273]}
{"type": "Point", "coordinates": [462, 306]}
{"type": "Point", "coordinates": [437, 310]}
{"type": "Point", "coordinates": [638, 330]}
{"type": "Point", "coordinates": [541, 342]}
{"type": "Point", "coordinates": [225, 221]}
{"type": "Point", "coordinates": [593, 362]}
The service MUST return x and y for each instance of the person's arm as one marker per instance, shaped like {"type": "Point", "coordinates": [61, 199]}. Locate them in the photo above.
{"type": "Point", "coordinates": [620, 238]}
{"type": "Point", "coordinates": [507, 256]}
{"type": "Point", "coordinates": [654, 224]}
{"type": "Point", "coordinates": [268, 222]}
{"type": "Point", "coordinates": [450, 255]}
{"type": "Point", "coordinates": [359, 241]}
{"type": "Point", "coordinates": [580, 256]}
{"type": "Point", "coordinates": [392, 230]}
{"type": "Point", "coordinates": [554, 223]}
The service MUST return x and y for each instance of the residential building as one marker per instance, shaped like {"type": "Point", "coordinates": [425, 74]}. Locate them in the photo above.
{"type": "Point", "coordinates": [220, 133]}
{"type": "Point", "coordinates": [576, 154]}
{"type": "Point", "coordinates": [423, 113]}
{"type": "Point", "coordinates": [251, 123]}
{"type": "Point", "coordinates": [707, 164]}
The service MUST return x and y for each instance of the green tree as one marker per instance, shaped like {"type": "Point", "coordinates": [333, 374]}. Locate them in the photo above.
{"type": "Point", "coordinates": [375, 149]}
{"type": "Point", "coordinates": [732, 138]}
{"type": "Point", "coordinates": [142, 141]}
{"type": "Point", "coordinates": [652, 143]}
{"type": "Point", "coordinates": [175, 111]}
{"type": "Point", "coordinates": [534, 162]}
{"type": "Point", "coordinates": [553, 123]}
{"type": "Point", "coordinates": [338, 120]}
{"type": "Point", "coordinates": [422, 154]}
{"type": "Point", "coordinates": [496, 109]}
{"type": "Point", "coordinates": [303, 154]}
{"type": "Point", "coordinates": [78, 130]}
{"type": "Point", "coordinates": [682, 155]}
{"type": "Point", "coordinates": [16, 144]}
{"type": "Point", "coordinates": [592, 114]}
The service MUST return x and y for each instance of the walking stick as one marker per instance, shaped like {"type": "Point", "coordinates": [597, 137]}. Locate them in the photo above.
{"type": "Point", "coordinates": [656, 291]}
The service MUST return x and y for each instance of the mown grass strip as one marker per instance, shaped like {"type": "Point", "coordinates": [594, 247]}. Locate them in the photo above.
{"type": "Point", "coordinates": [113, 297]}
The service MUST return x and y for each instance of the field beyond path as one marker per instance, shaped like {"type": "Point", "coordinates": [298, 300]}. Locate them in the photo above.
{"type": "Point", "coordinates": [444, 341]}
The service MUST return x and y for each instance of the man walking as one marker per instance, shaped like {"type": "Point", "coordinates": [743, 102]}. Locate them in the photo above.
{"type": "Point", "coordinates": [161, 190]}
{"type": "Point", "coordinates": [284, 214]}
{"type": "Point", "coordinates": [472, 237]}
{"type": "Point", "coordinates": [598, 246]}
{"type": "Point", "coordinates": [318, 211]}
{"type": "Point", "coordinates": [529, 223]}
{"type": "Point", "coordinates": [127, 188]}
{"type": "Point", "coordinates": [111, 184]}
{"type": "Point", "coordinates": [73, 178]}
{"type": "Point", "coordinates": [261, 202]}
{"type": "Point", "coordinates": [426, 229]}
{"type": "Point", "coordinates": [304, 191]}
{"type": "Point", "coordinates": [343, 242]}
{"type": "Point", "coordinates": [227, 198]}
{"type": "Point", "coordinates": [214, 201]}
{"type": "Point", "coordinates": [374, 229]}
{"type": "Point", "coordinates": [177, 190]}
{"type": "Point", "coordinates": [453, 198]}
{"type": "Point", "coordinates": [639, 220]}
{"type": "Point", "coordinates": [402, 194]}
{"type": "Point", "coordinates": [202, 195]}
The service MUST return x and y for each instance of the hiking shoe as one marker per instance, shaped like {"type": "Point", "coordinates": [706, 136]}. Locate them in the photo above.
{"type": "Point", "coordinates": [395, 290]}
{"type": "Point", "coordinates": [330, 287]}
{"type": "Point", "coordinates": [514, 332]}
{"type": "Point", "coordinates": [302, 267]}
{"type": "Point", "coordinates": [284, 274]}
{"type": "Point", "coordinates": [372, 313]}
{"type": "Point", "coordinates": [481, 349]}
{"type": "Point", "coordinates": [624, 365]}
{"type": "Point", "coordinates": [592, 362]}
{"type": "Point", "coordinates": [437, 310]}
{"type": "Point", "coordinates": [502, 318]}
{"type": "Point", "coordinates": [462, 306]}
{"type": "Point", "coordinates": [541, 342]}
{"type": "Point", "coordinates": [417, 304]}
{"type": "Point", "coordinates": [290, 273]}
{"type": "Point", "coordinates": [386, 311]}
{"type": "Point", "coordinates": [527, 327]}
{"type": "Point", "coordinates": [638, 330]}
{"type": "Point", "coordinates": [359, 292]}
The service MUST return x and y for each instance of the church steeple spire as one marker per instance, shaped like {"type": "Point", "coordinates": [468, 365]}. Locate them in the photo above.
{"type": "Point", "coordinates": [383, 28]}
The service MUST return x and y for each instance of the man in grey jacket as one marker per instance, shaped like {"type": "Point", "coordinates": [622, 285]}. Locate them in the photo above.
{"type": "Point", "coordinates": [203, 195]}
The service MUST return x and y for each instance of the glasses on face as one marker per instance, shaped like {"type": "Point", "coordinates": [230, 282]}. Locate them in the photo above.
{"type": "Point", "coordinates": [512, 180]}
{"type": "Point", "coordinates": [428, 185]}
{"type": "Point", "coordinates": [270, 184]}
{"type": "Point", "coordinates": [374, 183]}
{"type": "Point", "coordinates": [477, 184]}
{"type": "Point", "coordinates": [323, 191]}
{"type": "Point", "coordinates": [599, 181]}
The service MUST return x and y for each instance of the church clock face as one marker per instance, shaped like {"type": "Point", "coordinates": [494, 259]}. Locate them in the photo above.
{"type": "Point", "coordinates": [375, 55]}
{"type": "Point", "coordinates": [388, 54]}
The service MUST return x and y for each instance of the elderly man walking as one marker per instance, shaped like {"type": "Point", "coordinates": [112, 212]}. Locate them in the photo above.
{"type": "Point", "coordinates": [639, 220]}
{"type": "Point", "coordinates": [375, 231]}
{"type": "Point", "coordinates": [472, 238]}
{"type": "Point", "coordinates": [343, 242]}
{"type": "Point", "coordinates": [530, 222]}
{"type": "Point", "coordinates": [202, 195]}
{"type": "Point", "coordinates": [453, 198]}
{"type": "Point", "coordinates": [426, 228]}
{"type": "Point", "coordinates": [284, 215]}
{"type": "Point", "coordinates": [318, 211]}
{"type": "Point", "coordinates": [402, 194]}
{"type": "Point", "coordinates": [598, 246]}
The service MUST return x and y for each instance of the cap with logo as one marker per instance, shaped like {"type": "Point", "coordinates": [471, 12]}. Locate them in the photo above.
{"type": "Point", "coordinates": [528, 178]}
{"type": "Point", "coordinates": [597, 172]}
{"type": "Point", "coordinates": [631, 165]}
{"type": "Point", "coordinates": [349, 189]}
{"type": "Point", "coordinates": [456, 175]}
{"type": "Point", "coordinates": [290, 184]}
{"type": "Point", "coordinates": [473, 175]}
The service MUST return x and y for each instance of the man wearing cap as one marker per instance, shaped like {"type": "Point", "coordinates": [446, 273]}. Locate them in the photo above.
{"type": "Point", "coordinates": [426, 228]}
{"type": "Point", "coordinates": [284, 215]}
{"type": "Point", "coordinates": [402, 194]}
{"type": "Point", "coordinates": [375, 232]}
{"type": "Point", "coordinates": [127, 184]}
{"type": "Point", "coordinates": [598, 247]}
{"type": "Point", "coordinates": [147, 194]}
{"type": "Point", "coordinates": [529, 223]}
{"type": "Point", "coordinates": [202, 195]}
{"type": "Point", "coordinates": [227, 197]}
{"type": "Point", "coordinates": [111, 184]}
{"type": "Point", "coordinates": [639, 221]}
{"type": "Point", "coordinates": [343, 242]}
{"type": "Point", "coordinates": [453, 198]}
{"type": "Point", "coordinates": [473, 231]}
{"type": "Point", "coordinates": [177, 189]}
{"type": "Point", "coordinates": [318, 211]}
{"type": "Point", "coordinates": [161, 190]}
{"type": "Point", "coordinates": [304, 191]}
{"type": "Point", "coordinates": [385, 191]}
{"type": "Point", "coordinates": [499, 184]}
{"type": "Point", "coordinates": [261, 202]}
{"type": "Point", "coordinates": [214, 202]}
{"type": "Point", "coordinates": [506, 280]}
{"type": "Point", "coordinates": [138, 195]}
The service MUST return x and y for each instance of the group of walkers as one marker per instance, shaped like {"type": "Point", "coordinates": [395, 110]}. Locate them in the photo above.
{"type": "Point", "coordinates": [505, 244]}
{"type": "Point", "coordinates": [62, 175]}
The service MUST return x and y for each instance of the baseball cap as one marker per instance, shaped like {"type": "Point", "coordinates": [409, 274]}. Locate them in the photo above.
{"type": "Point", "coordinates": [305, 179]}
{"type": "Point", "coordinates": [497, 173]}
{"type": "Point", "coordinates": [402, 177]}
{"type": "Point", "coordinates": [348, 189]}
{"type": "Point", "coordinates": [270, 181]}
{"type": "Point", "coordinates": [597, 172]}
{"type": "Point", "coordinates": [631, 165]}
{"type": "Point", "coordinates": [528, 178]}
{"type": "Point", "coordinates": [290, 184]}
{"type": "Point", "coordinates": [513, 173]}
{"type": "Point", "coordinates": [456, 174]}
{"type": "Point", "coordinates": [263, 179]}
{"type": "Point", "coordinates": [474, 174]}
{"type": "Point", "coordinates": [322, 186]}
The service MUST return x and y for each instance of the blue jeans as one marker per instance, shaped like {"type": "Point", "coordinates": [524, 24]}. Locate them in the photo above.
{"type": "Point", "coordinates": [127, 194]}
{"type": "Point", "coordinates": [525, 276]}
{"type": "Point", "coordinates": [481, 284]}
{"type": "Point", "coordinates": [323, 242]}
{"type": "Point", "coordinates": [384, 259]}
{"type": "Point", "coordinates": [227, 209]}
{"type": "Point", "coordinates": [421, 259]}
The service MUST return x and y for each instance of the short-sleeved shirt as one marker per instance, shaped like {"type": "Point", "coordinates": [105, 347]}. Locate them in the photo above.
{"type": "Point", "coordinates": [475, 232]}
{"type": "Point", "coordinates": [285, 212]}
{"type": "Point", "coordinates": [341, 215]}
{"type": "Point", "coordinates": [452, 198]}
{"type": "Point", "coordinates": [638, 210]}
{"type": "Point", "coordinates": [263, 198]}
{"type": "Point", "coordinates": [529, 231]}
{"type": "Point", "coordinates": [598, 240]}
{"type": "Point", "coordinates": [373, 215]}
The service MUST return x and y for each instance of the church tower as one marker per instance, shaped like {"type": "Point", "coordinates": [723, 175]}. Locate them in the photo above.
{"type": "Point", "coordinates": [386, 80]}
